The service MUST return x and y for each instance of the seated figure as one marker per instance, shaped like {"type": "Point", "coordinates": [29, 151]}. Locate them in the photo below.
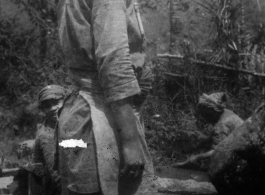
{"type": "Point", "coordinates": [212, 110]}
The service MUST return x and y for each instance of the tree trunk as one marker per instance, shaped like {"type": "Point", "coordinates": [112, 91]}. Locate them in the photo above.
{"type": "Point", "coordinates": [43, 32]}
{"type": "Point", "coordinates": [176, 26]}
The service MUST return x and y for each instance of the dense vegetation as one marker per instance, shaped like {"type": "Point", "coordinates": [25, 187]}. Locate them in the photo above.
{"type": "Point", "coordinates": [230, 33]}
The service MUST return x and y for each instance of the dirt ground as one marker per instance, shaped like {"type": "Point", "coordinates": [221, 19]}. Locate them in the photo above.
{"type": "Point", "coordinates": [181, 174]}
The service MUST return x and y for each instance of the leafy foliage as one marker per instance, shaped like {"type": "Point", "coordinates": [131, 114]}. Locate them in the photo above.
{"type": "Point", "coordinates": [223, 38]}
{"type": "Point", "coordinates": [30, 59]}
{"type": "Point", "coordinates": [211, 30]}
{"type": "Point", "coordinates": [154, 5]}
{"type": "Point", "coordinates": [234, 32]}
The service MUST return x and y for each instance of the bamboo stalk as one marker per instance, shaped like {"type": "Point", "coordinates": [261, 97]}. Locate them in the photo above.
{"type": "Point", "coordinates": [263, 67]}
{"type": "Point", "coordinates": [170, 56]}
{"type": "Point", "coordinates": [197, 62]}
{"type": "Point", "coordinates": [183, 76]}
{"type": "Point", "coordinates": [9, 172]}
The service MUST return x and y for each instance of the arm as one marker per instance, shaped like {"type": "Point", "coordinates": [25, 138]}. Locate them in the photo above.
{"type": "Point", "coordinates": [47, 146]}
{"type": "Point", "coordinates": [117, 76]}
{"type": "Point", "coordinates": [37, 154]}
{"type": "Point", "coordinates": [193, 159]}
{"type": "Point", "coordinates": [201, 156]}
{"type": "Point", "coordinates": [132, 153]}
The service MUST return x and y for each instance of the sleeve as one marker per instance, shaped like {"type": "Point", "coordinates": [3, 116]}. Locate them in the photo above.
{"type": "Point", "coordinates": [48, 151]}
{"type": "Point", "coordinates": [37, 156]}
{"type": "Point", "coordinates": [221, 131]}
{"type": "Point", "coordinates": [47, 145]}
{"type": "Point", "coordinates": [145, 79]}
{"type": "Point", "coordinates": [116, 74]}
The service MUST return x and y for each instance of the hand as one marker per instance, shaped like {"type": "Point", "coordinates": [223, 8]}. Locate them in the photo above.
{"type": "Point", "coordinates": [131, 148]}
{"type": "Point", "coordinates": [193, 158]}
{"type": "Point", "coordinates": [133, 160]}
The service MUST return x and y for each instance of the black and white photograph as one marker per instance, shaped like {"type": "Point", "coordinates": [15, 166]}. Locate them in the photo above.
{"type": "Point", "coordinates": [132, 97]}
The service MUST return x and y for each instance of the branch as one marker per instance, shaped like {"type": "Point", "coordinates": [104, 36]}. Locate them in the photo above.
{"type": "Point", "coordinates": [197, 62]}
{"type": "Point", "coordinates": [228, 68]}
{"type": "Point", "coordinates": [182, 76]}
{"type": "Point", "coordinates": [170, 56]}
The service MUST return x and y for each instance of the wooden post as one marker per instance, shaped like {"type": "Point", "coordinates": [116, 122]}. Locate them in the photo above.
{"type": "Point", "coordinates": [262, 59]}
{"type": "Point", "coordinates": [34, 187]}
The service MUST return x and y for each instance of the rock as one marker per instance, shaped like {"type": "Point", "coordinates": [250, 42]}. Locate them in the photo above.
{"type": "Point", "coordinates": [185, 187]}
{"type": "Point", "coordinates": [181, 181]}
{"type": "Point", "coordinates": [181, 174]}
{"type": "Point", "coordinates": [4, 184]}
{"type": "Point", "coordinates": [5, 181]}
{"type": "Point", "coordinates": [238, 163]}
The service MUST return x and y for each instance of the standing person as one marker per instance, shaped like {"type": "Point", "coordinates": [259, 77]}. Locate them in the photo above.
{"type": "Point", "coordinates": [103, 44]}
{"type": "Point", "coordinates": [51, 100]}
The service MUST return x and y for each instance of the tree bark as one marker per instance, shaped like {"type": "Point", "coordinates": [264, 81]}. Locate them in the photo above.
{"type": "Point", "coordinates": [43, 32]}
